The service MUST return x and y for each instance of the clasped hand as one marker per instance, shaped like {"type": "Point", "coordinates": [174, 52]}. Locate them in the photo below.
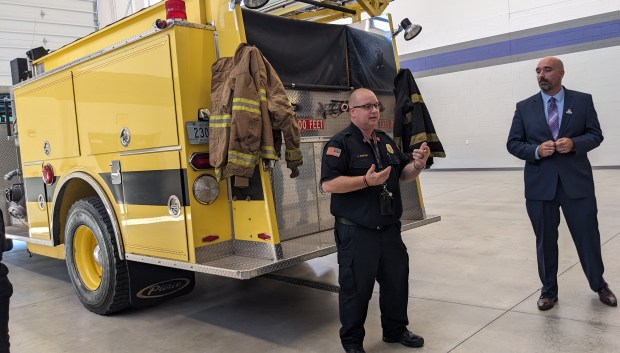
{"type": "Point", "coordinates": [562, 145]}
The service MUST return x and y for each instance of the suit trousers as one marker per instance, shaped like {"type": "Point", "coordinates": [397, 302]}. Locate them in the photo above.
{"type": "Point", "coordinates": [581, 218]}
{"type": "Point", "coordinates": [6, 290]}
{"type": "Point", "coordinates": [366, 255]}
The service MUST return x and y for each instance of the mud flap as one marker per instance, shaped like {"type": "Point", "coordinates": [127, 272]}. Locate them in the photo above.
{"type": "Point", "coordinates": [151, 284]}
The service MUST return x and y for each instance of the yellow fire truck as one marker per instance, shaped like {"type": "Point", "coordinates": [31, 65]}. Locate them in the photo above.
{"type": "Point", "coordinates": [112, 138]}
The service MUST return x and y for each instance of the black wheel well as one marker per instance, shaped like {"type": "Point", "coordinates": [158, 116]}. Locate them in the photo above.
{"type": "Point", "coordinates": [71, 192]}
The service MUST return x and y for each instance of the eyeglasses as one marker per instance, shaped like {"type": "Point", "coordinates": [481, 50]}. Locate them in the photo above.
{"type": "Point", "coordinates": [369, 106]}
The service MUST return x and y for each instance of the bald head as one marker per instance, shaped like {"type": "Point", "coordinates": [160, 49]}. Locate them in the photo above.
{"type": "Point", "coordinates": [549, 73]}
{"type": "Point", "coordinates": [365, 119]}
{"type": "Point", "coordinates": [359, 95]}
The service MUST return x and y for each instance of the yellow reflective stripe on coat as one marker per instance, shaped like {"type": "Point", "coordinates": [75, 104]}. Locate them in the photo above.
{"type": "Point", "coordinates": [249, 102]}
{"type": "Point", "coordinates": [424, 137]}
{"type": "Point", "coordinates": [268, 152]}
{"type": "Point", "coordinates": [293, 155]}
{"type": "Point", "coordinates": [263, 94]}
{"type": "Point", "coordinates": [220, 120]}
{"type": "Point", "coordinates": [244, 159]}
{"type": "Point", "coordinates": [249, 105]}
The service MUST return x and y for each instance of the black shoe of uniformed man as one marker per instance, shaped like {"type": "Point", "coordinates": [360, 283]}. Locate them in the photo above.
{"type": "Point", "coordinates": [355, 350]}
{"type": "Point", "coordinates": [407, 338]}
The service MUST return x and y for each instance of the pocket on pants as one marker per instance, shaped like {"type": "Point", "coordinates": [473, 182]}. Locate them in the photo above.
{"type": "Point", "coordinates": [346, 276]}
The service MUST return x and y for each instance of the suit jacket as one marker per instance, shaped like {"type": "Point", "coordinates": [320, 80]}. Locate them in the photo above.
{"type": "Point", "coordinates": [529, 129]}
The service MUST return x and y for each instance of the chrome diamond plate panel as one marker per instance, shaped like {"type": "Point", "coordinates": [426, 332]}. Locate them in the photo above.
{"type": "Point", "coordinates": [242, 267]}
{"type": "Point", "coordinates": [323, 106]}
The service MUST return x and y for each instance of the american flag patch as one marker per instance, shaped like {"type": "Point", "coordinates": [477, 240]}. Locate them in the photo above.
{"type": "Point", "coordinates": [333, 151]}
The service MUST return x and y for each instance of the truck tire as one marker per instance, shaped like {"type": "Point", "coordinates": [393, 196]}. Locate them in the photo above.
{"type": "Point", "coordinates": [99, 277]}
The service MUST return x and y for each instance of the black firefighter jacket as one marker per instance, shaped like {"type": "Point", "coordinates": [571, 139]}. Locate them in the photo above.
{"type": "Point", "coordinates": [412, 121]}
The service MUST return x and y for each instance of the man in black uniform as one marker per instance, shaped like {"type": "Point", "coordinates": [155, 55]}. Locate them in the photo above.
{"type": "Point", "coordinates": [362, 167]}
{"type": "Point", "coordinates": [6, 290]}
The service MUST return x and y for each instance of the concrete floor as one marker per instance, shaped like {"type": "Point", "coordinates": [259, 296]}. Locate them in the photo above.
{"type": "Point", "coordinates": [473, 288]}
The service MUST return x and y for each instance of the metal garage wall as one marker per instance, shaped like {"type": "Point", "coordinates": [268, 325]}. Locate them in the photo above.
{"type": "Point", "coordinates": [26, 24]}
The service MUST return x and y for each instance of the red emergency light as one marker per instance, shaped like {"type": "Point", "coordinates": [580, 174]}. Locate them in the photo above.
{"type": "Point", "coordinates": [175, 10]}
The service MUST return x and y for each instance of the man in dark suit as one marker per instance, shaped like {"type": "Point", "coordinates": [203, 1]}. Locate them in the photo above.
{"type": "Point", "coordinates": [6, 290]}
{"type": "Point", "coordinates": [553, 131]}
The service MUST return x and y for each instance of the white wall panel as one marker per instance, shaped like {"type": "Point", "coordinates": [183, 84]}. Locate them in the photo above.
{"type": "Point", "coordinates": [448, 22]}
{"type": "Point", "coordinates": [28, 24]}
{"type": "Point", "coordinates": [453, 21]}
{"type": "Point", "coordinates": [525, 14]}
{"type": "Point", "coordinates": [472, 110]}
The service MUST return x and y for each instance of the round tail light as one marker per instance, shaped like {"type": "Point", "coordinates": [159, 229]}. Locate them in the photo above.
{"type": "Point", "coordinates": [206, 189]}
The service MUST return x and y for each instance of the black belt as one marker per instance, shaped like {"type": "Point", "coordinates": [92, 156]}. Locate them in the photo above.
{"type": "Point", "coordinates": [347, 222]}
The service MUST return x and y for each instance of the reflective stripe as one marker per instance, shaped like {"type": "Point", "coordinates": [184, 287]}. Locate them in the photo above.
{"type": "Point", "coordinates": [242, 158]}
{"type": "Point", "coordinates": [263, 94]}
{"type": "Point", "coordinates": [424, 137]}
{"type": "Point", "coordinates": [248, 105]}
{"type": "Point", "coordinates": [417, 98]}
{"type": "Point", "coordinates": [268, 152]}
{"type": "Point", "coordinates": [218, 174]}
{"type": "Point", "coordinates": [293, 155]}
{"type": "Point", "coordinates": [249, 102]}
{"type": "Point", "coordinates": [220, 120]}
{"type": "Point", "coordinates": [247, 109]}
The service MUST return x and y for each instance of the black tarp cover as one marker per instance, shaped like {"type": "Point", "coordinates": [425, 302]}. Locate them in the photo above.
{"type": "Point", "coordinates": [301, 52]}
{"type": "Point", "coordinates": [371, 60]}
{"type": "Point", "coordinates": [305, 52]}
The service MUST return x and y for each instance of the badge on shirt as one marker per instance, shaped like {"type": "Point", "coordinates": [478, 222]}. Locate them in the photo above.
{"type": "Point", "coordinates": [389, 148]}
{"type": "Point", "coordinates": [333, 151]}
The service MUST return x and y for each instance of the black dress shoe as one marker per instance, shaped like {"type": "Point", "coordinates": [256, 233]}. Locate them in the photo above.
{"type": "Point", "coordinates": [546, 303]}
{"type": "Point", "coordinates": [407, 338]}
{"type": "Point", "coordinates": [355, 350]}
{"type": "Point", "coordinates": [607, 297]}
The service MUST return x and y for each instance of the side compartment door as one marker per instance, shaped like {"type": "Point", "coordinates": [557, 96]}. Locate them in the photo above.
{"type": "Point", "coordinates": [126, 106]}
{"type": "Point", "coordinates": [155, 196]}
{"type": "Point", "coordinates": [36, 202]}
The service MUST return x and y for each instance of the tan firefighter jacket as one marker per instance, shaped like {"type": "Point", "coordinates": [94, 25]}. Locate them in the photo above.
{"type": "Point", "coordinates": [248, 101]}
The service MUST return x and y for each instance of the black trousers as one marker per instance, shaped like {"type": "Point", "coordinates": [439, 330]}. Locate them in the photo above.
{"type": "Point", "coordinates": [581, 218]}
{"type": "Point", "coordinates": [6, 290]}
{"type": "Point", "coordinates": [366, 255]}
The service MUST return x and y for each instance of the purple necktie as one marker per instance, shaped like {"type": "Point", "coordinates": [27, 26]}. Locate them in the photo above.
{"type": "Point", "coordinates": [554, 120]}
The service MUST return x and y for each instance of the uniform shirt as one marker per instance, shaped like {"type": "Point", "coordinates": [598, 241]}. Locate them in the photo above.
{"type": "Point", "coordinates": [348, 154]}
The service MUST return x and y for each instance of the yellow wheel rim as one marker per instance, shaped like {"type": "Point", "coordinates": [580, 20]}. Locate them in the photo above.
{"type": "Point", "coordinates": [86, 254]}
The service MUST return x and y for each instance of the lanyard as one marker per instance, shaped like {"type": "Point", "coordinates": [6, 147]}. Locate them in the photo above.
{"type": "Point", "coordinates": [372, 140]}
